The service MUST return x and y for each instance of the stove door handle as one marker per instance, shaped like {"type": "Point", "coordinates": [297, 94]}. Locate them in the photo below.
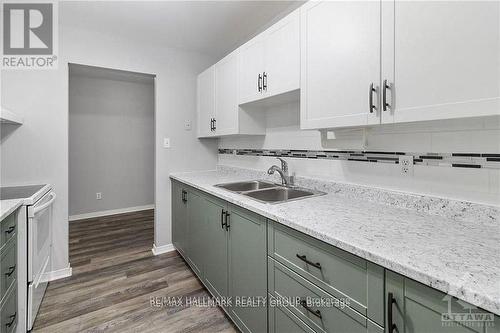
{"type": "Point", "coordinates": [38, 209]}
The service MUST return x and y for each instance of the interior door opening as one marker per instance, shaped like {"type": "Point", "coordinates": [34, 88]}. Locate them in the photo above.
{"type": "Point", "coordinates": [111, 164]}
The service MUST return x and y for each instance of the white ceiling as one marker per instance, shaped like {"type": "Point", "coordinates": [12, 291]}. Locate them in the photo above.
{"type": "Point", "coordinates": [210, 27]}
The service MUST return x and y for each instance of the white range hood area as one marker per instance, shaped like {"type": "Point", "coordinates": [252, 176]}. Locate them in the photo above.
{"type": "Point", "coordinates": [10, 117]}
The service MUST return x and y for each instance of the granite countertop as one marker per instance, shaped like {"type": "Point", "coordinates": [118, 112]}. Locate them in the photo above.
{"type": "Point", "coordinates": [457, 256]}
{"type": "Point", "coordinates": [8, 206]}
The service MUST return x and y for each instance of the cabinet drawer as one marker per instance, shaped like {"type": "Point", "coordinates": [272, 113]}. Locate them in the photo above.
{"type": "Point", "coordinates": [8, 268]}
{"type": "Point", "coordinates": [282, 320]}
{"type": "Point", "coordinates": [8, 228]}
{"type": "Point", "coordinates": [322, 312]}
{"type": "Point", "coordinates": [341, 274]}
{"type": "Point", "coordinates": [8, 313]}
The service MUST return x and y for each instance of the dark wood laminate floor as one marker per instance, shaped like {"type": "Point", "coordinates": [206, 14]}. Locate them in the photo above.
{"type": "Point", "coordinates": [114, 277]}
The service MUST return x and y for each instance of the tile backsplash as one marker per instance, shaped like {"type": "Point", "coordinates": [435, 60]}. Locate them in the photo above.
{"type": "Point", "coordinates": [455, 160]}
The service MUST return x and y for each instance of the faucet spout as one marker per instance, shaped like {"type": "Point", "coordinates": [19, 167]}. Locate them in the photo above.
{"type": "Point", "coordinates": [286, 180]}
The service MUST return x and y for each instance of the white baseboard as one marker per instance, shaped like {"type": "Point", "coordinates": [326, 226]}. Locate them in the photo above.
{"type": "Point", "coordinates": [110, 212]}
{"type": "Point", "coordinates": [162, 249]}
{"type": "Point", "coordinates": [58, 274]}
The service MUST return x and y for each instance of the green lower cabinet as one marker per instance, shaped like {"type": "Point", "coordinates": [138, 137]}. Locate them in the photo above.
{"type": "Point", "coordinates": [8, 312]}
{"type": "Point", "coordinates": [241, 255]}
{"type": "Point", "coordinates": [247, 269]}
{"type": "Point", "coordinates": [216, 255]}
{"type": "Point", "coordinates": [412, 307]}
{"type": "Point", "coordinates": [341, 274]}
{"type": "Point", "coordinates": [196, 231]}
{"type": "Point", "coordinates": [315, 307]}
{"type": "Point", "coordinates": [8, 273]}
{"type": "Point", "coordinates": [179, 217]}
{"type": "Point", "coordinates": [282, 320]}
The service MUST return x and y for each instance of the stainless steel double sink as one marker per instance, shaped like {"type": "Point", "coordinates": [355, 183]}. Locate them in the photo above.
{"type": "Point", "coordinates": [268, 192]}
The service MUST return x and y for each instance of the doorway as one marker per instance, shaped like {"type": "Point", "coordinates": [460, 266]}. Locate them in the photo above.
{"type": "Point", "coordinates": [111, 165]}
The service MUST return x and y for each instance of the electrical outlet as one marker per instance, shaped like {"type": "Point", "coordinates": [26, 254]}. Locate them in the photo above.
{"type": "Point", "coordinates": [98, 196]}
{"type": "Point", "coordinates": [187, 125]}
{"type": "Point", "coordinates": [166, 142]}
{"type": "Point", "coordinates": [406, 165]}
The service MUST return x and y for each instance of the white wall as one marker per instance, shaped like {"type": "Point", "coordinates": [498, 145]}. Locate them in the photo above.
{"type": "Point", "coordinates": [461, 135]}
{"type": "Point", "coordinates": [38, 151]}
{"type": "Point", "coordinates": [111, 140]}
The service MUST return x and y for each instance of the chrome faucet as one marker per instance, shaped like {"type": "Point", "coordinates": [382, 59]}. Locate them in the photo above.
{"type": "Point", "coordinates": [286, 179]}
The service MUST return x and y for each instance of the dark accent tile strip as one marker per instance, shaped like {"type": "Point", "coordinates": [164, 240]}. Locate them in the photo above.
{"type": "Point", "coordinates": [466, 154]}
{"type": "Point", "coordinates": [431, 157]}
{"type": "Point", "coordinates": [458, 165]}
{"type": "Point", "coordinates": [493, 159]}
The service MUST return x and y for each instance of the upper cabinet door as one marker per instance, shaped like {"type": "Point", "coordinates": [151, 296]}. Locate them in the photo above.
{"type": "Point", "coordinates": [442, 59]}
{"type": "Point", "coordinates": [226, 95]}
{"type": "Point", "coordinates": [206, 102]}
{"type": "Point", "coordinates": [282, 56]}
{"type": "Point", "coordinates": [251, 70]}
{"type": "Point", "coordinates": [340, 62]}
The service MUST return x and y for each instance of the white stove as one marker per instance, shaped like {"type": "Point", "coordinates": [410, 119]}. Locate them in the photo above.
{"type": "Point", "coordinates": [35, 245]}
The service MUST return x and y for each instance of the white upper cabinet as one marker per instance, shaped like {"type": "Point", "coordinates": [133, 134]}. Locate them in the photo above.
{"type": "Point", "coordinates": [206, 103]}
{"type": "Point", "coordinates": [360, 63]}
{"type": "Point", "coordinates": [251, 70]}
{"type": "Point", "coordinates": [270, 62]}
{"type": "Point", "coordinates": [218, 111]}
{"type": "Point", "coordinates": [340, 62]}
{"type": "Point", "coordinates": [282, 56]}
{"type": "Point", "coordinates": [226, 95]}
{"type": "Point", "coordinates": [441, 58]}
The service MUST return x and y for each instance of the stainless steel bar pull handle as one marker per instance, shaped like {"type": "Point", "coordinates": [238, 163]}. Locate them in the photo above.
{"type": "Point", "coordinates": [371, 91]}
{"type": "Point", "coordinates": [385, 105]}
{"type": "Point", "coordinates": [259, 83]}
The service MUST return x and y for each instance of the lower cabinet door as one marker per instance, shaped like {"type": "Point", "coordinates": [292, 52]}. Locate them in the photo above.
{"type": "Point", "coordinates": [247, 270]}
{"type": "Point", "coordinates": [196, 231]}
{"type": "Point", "coordinates": [8, 312]}
{"type": "Point", "coordinates": [415, 308]}
{"type": "Point", "coordinates": [216, 247]}
{"type": "Point", "coordinates": [179, 217]}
